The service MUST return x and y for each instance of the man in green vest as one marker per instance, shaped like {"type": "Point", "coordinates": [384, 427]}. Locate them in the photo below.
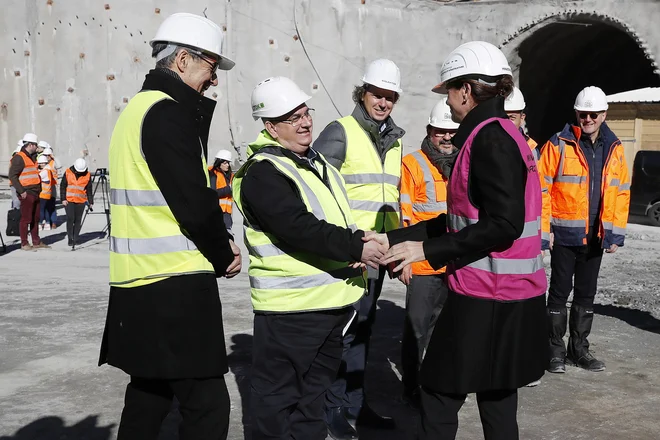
{"type": "Point", "coordinates": [168, 242]}
{"type": "Point", "coordinates": [366, 148]}
{"type": "Point", "coordinates": [305, 271]}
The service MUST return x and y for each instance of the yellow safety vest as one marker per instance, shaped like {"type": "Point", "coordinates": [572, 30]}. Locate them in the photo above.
{"type": "Point", "coordinates": [146, 242]}
{"type": "Point", "coordinates": [373, 187]}
{"type": "Point", "coordinates": [283, 279]}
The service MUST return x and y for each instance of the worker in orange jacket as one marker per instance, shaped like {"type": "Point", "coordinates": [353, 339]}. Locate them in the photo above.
{"type": "Point", "coordinates": [514, 106]}
{"type": "Point", "coordinates": [586, 193]}
{"type": "Point", "coordinates": [221, 176]}
{"type": "Point", "coordinates": [424, 175]}
{"type": "Point", "coordinates": [76, 192]}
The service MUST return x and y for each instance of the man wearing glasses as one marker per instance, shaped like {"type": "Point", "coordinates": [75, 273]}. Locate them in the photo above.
{"type": "Point", "coordinates": [586, 193]}
{"type": "Point", "coordinates": [304, 276]}
{"type": "Point", "coordinates": [164, 324]}
{"type": "Point", "coordinates": [366, 148]}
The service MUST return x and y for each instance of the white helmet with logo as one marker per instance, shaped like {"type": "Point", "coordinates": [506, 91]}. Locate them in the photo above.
{"type": "Point", "coordinates": [441, 116]}
{"type": "Point", "coordinates": [193, 31]}
{"type": "Point", "coordinates": [276, 96]}
{"type": "Point", "coordinates": [515, 102]}
{"type": "Point", "coordinates": [383, 74]}
{"type": "Point", "coordinates": [224, 155]}
{"type": "Point", "coordinates": [591, 99]}
{"type": "Point", "coordinates": [474, 59]}
{"type": "Point", "coordinates": [80, 165]}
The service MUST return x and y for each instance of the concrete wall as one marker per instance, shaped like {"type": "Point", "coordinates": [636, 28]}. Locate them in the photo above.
{"type": "Point", "coordinates": [70, 66]}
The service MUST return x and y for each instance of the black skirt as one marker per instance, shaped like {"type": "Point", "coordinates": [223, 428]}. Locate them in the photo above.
{"type": "Point", "coordinates": [482, 345]}
{"type": "Point", "coordinates": [171, 329]}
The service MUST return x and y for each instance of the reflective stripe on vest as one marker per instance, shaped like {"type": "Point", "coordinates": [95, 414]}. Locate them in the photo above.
{"type": "Point", "coordinates": [146, 241]}
{"type": "Point", "coordinates": [225, 202]}
{"type": "Point", "coordinates": [512, 274]}
{"type": "Point", "coordinates": [372, 184]}
{"type": "Point", "coordinates": [432, 205]}
{"type": "Point", "coordinates": [30, 174]}
{"type": "Point", "coordinates": [284, 278]}
{"type": "Point", "coordinates": [75, 187]}
{"type": "Point", "coordinates": [47, 186]}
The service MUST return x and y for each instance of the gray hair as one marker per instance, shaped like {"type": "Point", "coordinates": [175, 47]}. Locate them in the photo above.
{"type": "Point", "coordinates": [165, 54]}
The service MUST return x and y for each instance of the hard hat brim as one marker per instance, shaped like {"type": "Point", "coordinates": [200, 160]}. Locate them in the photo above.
{"type": "Point", "coordinates": [225, 63]}
{"type": "Point", "coordinates": [440, 88]}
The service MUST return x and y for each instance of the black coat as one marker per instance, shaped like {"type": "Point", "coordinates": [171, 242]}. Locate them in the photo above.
{"type": "Point", "coordinates": [172, 329]}
{"type": "Point", "coordinates": [477, 344]}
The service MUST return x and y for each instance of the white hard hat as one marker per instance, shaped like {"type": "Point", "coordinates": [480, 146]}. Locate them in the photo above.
{"type": "Point", "coordinates": [31, 138]}
{"type": "Point", "coordinates": [42, 159]}
{"type": "Point", "coordinates": [276, 96]}
{"type": "Point", "coordinates": [47, 151]}
{"type": "Point", "coordinates": [515, 102]}
{"type": "Point", "coordinates": [591, 99]}
{"type": "Point", "coordinates": [384, 74]}
{"type": "Point", "coordinates": [224, 155]}
{"type": "Point", "coordinates": [441, 116]}
{"type": "Point", "coordinates": [43, 144]}
{"type": "Point", "coordinates": [80, 165]}
{"type": "Point", "coordinates": [476, 58]}
{"type": "Point", "coordinates": [193, 31]}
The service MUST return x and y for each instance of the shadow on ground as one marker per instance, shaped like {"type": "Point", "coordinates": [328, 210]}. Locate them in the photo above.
{"type": "Point", "coordinates": [636, 318]}
{"type": "Point", "coordinates": [54, 428]}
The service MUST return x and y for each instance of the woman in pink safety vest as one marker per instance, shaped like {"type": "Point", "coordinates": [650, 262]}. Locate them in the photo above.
{"type": "Point", "coordinates": [491, 337]}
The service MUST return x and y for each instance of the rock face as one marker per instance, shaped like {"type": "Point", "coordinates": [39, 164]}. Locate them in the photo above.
{"type": "Point", "coordinates": [69, 69]}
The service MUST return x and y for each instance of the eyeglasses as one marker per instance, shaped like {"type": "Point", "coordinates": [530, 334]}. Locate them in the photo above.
{"type": "Point", "coordinates": [296, 120]}
{"type": "Point", "coordinates": [211, 62]}
{"type": "Point", "coordinates": [593, 116]}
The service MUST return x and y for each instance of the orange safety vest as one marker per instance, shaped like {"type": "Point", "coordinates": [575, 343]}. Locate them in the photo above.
{"type": "Point", "coordinates": [47, 186]}
{"type": "Point", "coordinates": [51, 166]}
{"type": "Point", "coordinates": [225, 202]}
{"type": "Point", "coordinates": [75, 188]}
{"type": "Point", "coordinates": [566, 189]}
{"type": "Point", "coordinates": [30, 174]}
{"type": "Point", "coordinates": [423, 197]}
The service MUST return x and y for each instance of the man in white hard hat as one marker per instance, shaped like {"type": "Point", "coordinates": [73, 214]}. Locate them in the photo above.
{"type": "Point", "coordinates": [76, 192]}
{"type": "Point", "coordinates": [424, 176]}
{"type": "Point", "coordinates": [514, 106]}
{"type": "Point", "coordinates": [586, 196]}
{"type": "Point", "coordinates": [221, 175]}
{"type": "Point", "coordinates": [304, 276]}
{"type": "Point", "coordinates": [15, 201]}
{"type": "Point", "coordinates": [24, 177]}
{"type": "Point", "coordinates": [366, 148]}
{"type": "Point", "coordinates": [167, 246]}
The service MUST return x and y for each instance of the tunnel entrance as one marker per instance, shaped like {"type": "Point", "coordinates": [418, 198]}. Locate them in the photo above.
{"type": "Point", "coordinates": [560, 59]}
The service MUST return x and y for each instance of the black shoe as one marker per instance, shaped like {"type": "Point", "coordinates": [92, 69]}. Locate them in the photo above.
{"type": "Point", "coordinates": [412, 398]}
{"type": "Point", "coordinates": [557, 365]}
{"type": "Point", "coordinates": [338, 426]}
{"type": "Point", "coordinates": [369, 418]}
{"type": "Point", "coordinates": [589, 363]}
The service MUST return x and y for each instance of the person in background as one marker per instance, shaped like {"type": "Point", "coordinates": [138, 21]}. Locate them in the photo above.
{"type": "Point", "coordinates": [53, 163]}
{"type": "Point", "coordinates": [220, 175]}
{"type": "Point", "coordinates": [47, 212]}
{"type": "Point", "coordinates": [514, 106]}
{"type": "Point", "coordinates": [76, 191]}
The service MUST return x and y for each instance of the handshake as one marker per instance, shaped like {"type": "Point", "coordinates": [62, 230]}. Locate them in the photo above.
{"type": "Point", "coordinates": [377, 251]}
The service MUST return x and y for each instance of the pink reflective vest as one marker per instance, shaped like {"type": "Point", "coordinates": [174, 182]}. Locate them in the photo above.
{"type": "Point", "coordinates": [511, 274]}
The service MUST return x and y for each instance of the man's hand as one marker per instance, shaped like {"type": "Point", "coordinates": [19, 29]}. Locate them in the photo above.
{"type": "Point", "coordinates": [372, 252]}
{"type": "Point", "coordinates": [406, 252]}
{"type": "Point", "coordinates": [552, 240]}
{"type": "Point", "coordinates": [235, 267]}
{"type": "Point", "coordinates": [406, 275]}
{"type": "Point", "coordinates": [612, 249]}
{"type": "Point", "coordinates": [65, 202]}
{"type": "Point", "coordinates": [23, 195]}
{"type": "Point", "coordinates": [375, 236]}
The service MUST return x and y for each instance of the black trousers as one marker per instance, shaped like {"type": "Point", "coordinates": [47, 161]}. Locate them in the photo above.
{"type": "Point", "coordinates": [74, 215]}
{"type": "Point", "coordinates": [497, 409]}
{"type": "Point", "coordinates": [574, 268]}
{"type": "Point", "coordinates": [203, 404]}
{"type": "Point", "coordinates": [295, 358]}
{"type": "Point", "coordinates": [425, 297]}
{"type": "Point", "coordinates": [348, 389]}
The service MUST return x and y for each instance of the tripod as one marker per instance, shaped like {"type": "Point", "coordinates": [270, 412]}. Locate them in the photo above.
{"type": "Point", "coordinates": [99, 179]}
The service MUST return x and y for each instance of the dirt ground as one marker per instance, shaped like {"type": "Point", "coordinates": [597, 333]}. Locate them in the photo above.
{"type": "Point", "coordinates": [52, 311]}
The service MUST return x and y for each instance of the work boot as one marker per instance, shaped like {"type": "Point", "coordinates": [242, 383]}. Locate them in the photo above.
{"type": "Point", "coordinates": [556, 331]}
{"type": "Point", "coordinates": [28, 247]}
{"type": "Point", "coordinates": [369, 418]}
{"type": "Point", "coordinates": [580, 324]}
{"type": "Point", "coordinates": [41, 245]}
{"type": "Point", "coordinates": [338, 426]}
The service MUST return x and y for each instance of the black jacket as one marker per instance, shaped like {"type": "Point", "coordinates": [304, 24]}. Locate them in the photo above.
{"type": "Point", "coordinates": [332, 140]}
{"type": "Point", "coordinates": [174, 138]}
{"type": "Point", "coordinates": [496, 186]}
{"type": "Point", "coordinates": [88, 189]}
{"type": "Point", "coordinates": [272, 201]}
{"type": "Point", "coordinates": [16, 167]}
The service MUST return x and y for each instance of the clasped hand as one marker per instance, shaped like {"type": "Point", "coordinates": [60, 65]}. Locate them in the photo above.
{"type": "Point", "coordinates": [377, 251]}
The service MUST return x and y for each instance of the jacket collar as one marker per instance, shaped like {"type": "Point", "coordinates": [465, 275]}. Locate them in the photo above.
{"type": "Point", "coordinates": [373, 128]}
{"type": "Point", "coordinates": [572, 134]}
{"type": "Point", "coordinates": [492, 108]}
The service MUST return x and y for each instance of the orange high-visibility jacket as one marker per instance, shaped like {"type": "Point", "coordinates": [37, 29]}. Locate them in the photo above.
{"type": "Point", "coordinates": [47, 185]}
{"type": "Point", "coordinates": [225, 202]}
{"type": "Point", "coordinates": [76, 191]}
{"type": "Point", "coordinates": [423, 197]}
{"type": "Point", "coordinates": [566, 187]}
{"type": "Point", "coordinates": [30, 174]}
